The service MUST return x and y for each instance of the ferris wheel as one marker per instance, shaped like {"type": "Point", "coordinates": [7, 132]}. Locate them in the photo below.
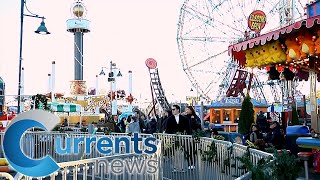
{"type": "Point", "coordinates": [207, 27]}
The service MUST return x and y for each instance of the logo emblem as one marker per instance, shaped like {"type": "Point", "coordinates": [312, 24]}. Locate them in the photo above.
{"type": "Point", "coordinates": [11, 143]}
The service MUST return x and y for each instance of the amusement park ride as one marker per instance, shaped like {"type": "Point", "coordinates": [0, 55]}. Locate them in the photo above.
{"type": "Point", "coordinates": [203, 40]}
{"type": "Point", "coordinates": [226, 47]}
{"type": "Point", "coordinates": [156, 87]}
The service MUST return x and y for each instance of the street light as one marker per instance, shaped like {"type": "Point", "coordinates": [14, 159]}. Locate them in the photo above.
{"type": "Point", "coordinates": [41, 30]}
{"type": "Point", "coordinates": [112, 80]}
{"type": "Point", "coordinates": [196, 100]}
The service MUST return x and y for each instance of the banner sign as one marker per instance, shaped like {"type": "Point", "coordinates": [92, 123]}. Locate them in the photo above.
{"type": "Point", "coordinates": [190, 98]}
{"type": "Point", "coordinates": [231, 100]}
{"type": "Point", "coordinates": [257, 20]}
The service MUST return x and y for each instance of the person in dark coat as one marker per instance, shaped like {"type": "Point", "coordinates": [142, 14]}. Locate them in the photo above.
{"type": "Point", "coordinates": [162, 121]}
{"type": "Point", "coordinates": [255, 133]}
{"type": "Point", "coordinates": [262, 122]}
{"type": "Point", "coordinates": [177, 122]}
{"type": "Point", "coordinates": [275, 138]}
{"type": "Point", "coordinates": [140, 120]}
{"type": "Point", "coordinates": [195, 121]}
{"type": "Point", "coordinates": [121, 125]}
{"type": "Point", "coordinates": [195, 124]}
{"type": "Point", "coordinates": [152, 126]}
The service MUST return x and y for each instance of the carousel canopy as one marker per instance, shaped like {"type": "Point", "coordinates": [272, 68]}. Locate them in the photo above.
{"type": "Point", "coordinates": [237, 50]}
{"type": "Point", "coordinates": [64, 107]}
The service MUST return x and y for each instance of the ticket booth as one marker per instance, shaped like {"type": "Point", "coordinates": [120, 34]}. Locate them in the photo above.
{"type": "Point", "coordinates": [226, 112]}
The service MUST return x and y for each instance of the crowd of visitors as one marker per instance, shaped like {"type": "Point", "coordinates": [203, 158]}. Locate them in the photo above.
{"type": "Point", "coordinates": [170, 121]}
{"type": "Point", "coordinates": [264, 134]}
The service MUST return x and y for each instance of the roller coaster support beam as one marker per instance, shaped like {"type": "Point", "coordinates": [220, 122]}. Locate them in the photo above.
{"type": "Point", "coordinates": [250, 82]}
{"type": "Point", "coordinates": [313, 101]}
{"type": "Point", "coordinates": [153, 100]}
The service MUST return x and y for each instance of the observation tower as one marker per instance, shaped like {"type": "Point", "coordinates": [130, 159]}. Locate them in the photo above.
{"type": "Point", "coordinates": [78, 26]}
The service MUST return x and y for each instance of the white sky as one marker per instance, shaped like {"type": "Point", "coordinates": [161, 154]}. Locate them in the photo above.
{"type": "Point", "coordinates": [124, 31]}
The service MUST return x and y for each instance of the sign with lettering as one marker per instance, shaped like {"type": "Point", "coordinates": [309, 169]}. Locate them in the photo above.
{"type": "Point", "coordinates": [257, 20]}
{"type": "Point", "coordinates": [231, 100]}
{"type": "Point", "coordinates": [190, 98]}
{"type": "Point", "coordinates": [95, 102]}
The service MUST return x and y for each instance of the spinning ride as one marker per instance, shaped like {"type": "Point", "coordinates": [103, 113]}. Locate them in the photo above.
{"type": "Point", "coordinates": [207, 27]}
{"type": "Point", "coordinates": [292, 50]}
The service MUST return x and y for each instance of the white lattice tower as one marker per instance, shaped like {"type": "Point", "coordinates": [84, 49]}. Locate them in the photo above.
{"type": "Point", "coordinates": [257, 90]}
{"type": "Point", "coordinates": [226, 77]}
{"type": "Point", "coordinates": [286, 12]}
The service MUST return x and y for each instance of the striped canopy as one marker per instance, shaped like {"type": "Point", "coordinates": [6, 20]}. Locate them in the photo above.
{"type": "Point", "coordinates": [64, 107]}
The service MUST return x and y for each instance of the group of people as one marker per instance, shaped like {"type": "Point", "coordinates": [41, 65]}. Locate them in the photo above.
{"type": "Point", "coordinates": [264, 134]}
{"type": "Point", "coordinates": [171, 121]}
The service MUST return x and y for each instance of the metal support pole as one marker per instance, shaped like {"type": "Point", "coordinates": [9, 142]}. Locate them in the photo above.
{"type": "Point", "coordinates": [22, 90]}
{"type": "Point", "coordinates": [49, 83]}
{"type": "Point", "coordinates": [197, 102]}
{"type": "Point", "coordinates": [20, 54]}
{"type": "Point", "coordinates": [97, 85]}
{"type": "Point", "coordinates": [130, 90]}
{"type": "Point", "coordinates": [53, 79]}
{"type": "Point", "coordinates": [313, 100]}
{"type": "Point", "coordinates": [114, 108]}
{"type": "Point", "coordinates": [201, 115]}
{"type": "Point", "coordinates": [305, 110]}
{"type": "Point", "coordinates": [153, 100]}
{"type": "Point", "coordinates": [110, 88]}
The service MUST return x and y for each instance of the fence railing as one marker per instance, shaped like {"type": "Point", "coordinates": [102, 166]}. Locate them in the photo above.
{"type": "Point", "coordinates": [94, 165]}
{"type": "Point", "coordinates": [178, 157]}
{"type": "Point", "coordinates": [211, 158]}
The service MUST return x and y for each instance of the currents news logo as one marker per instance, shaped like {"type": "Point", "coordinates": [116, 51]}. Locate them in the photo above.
{"type": "Point", "coordinates": [47, 165]}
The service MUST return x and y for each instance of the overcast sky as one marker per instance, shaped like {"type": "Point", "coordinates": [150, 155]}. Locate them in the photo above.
{"type": "Point", "coordinates": [124, 31]}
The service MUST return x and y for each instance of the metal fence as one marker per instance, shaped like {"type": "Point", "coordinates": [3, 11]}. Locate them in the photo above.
{"type": "Point", "coordinates": [178, 157]}
{"type": "Point", "coordinates": [95, 165]}
{"type": "Point", "coordinates": [211, 158]}
{"type": "Point", "coordinates": [255, 155]}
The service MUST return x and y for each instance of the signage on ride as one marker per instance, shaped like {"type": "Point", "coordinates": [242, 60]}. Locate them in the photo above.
{"type": "Point", "coordinates": [231, 100]}
{"type": "Point", "coordinates": [194, 98]}
{"type": "Point", "coordinates": [257, 20]}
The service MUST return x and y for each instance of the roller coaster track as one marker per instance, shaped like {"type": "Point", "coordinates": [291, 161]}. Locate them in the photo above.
{"type": "Point", "coordinates": [157, 90]}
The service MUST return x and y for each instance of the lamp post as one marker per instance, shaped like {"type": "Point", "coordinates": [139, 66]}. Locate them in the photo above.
{"type": "Point", "coordinates": [97, 85]}
{"type": "Point", "coordinates": [41, 30]}
{"type": "Point", "coordinates": [130, 91]}
{"type": "Point", "coordinates": [196, 101]}
{"type": "Point", "coordinates": [112, 80]}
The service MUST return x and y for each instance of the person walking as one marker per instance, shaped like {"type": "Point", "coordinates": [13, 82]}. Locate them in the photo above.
{"type": "Point", "coordinates": [195, 124]}
{"type": "Point", "coordinates": [178, 123]}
